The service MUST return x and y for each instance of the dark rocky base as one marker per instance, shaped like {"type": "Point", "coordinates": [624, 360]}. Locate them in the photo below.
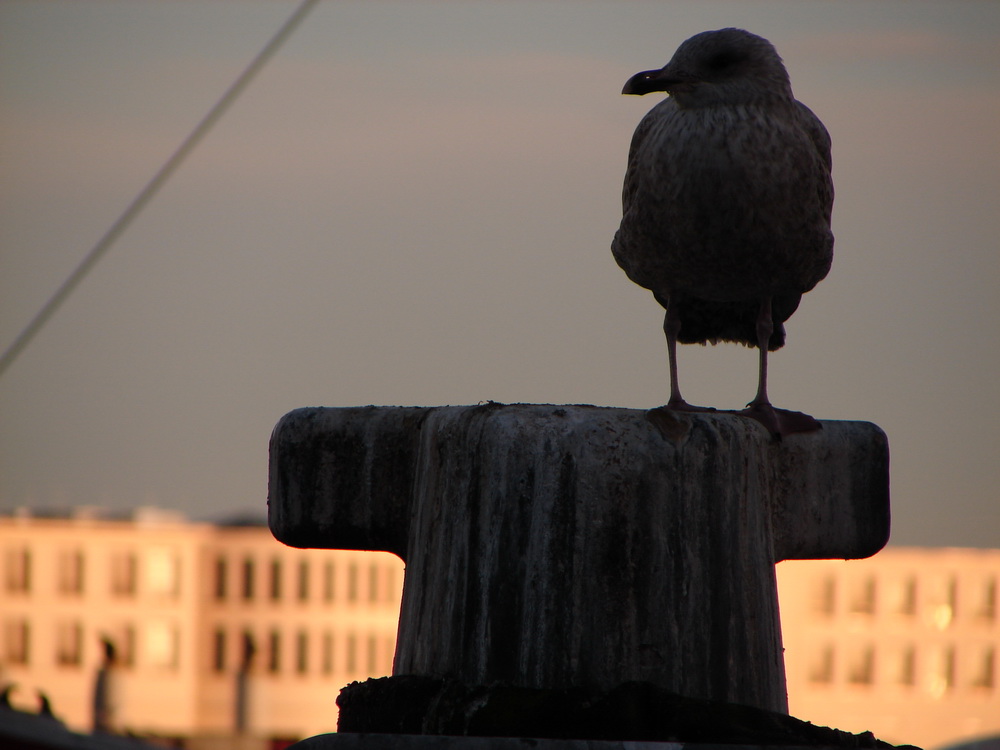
{"type": "Point", "coordinates": [634, 711]}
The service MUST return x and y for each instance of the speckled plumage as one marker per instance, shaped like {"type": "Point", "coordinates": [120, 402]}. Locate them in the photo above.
{"type": "Point", "coordinates": [728, 194]}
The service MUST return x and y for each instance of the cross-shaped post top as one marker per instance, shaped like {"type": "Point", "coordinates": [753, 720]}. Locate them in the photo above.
{"type": "Point", "coordinates": [556, 546]}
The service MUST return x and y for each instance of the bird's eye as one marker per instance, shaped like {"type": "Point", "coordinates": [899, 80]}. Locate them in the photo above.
{"type": "Point", "coordinates": [722, 60]}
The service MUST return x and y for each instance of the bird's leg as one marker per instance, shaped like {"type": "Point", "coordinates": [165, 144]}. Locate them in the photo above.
{"type": "Point", "coordinates": [778, 422]}
{"type": "Point", "coordinates": [671, 327]}
{"type": "Point", "coordinates": [765, 327]}
{"type": "Point", "coordinates": [760, 408]}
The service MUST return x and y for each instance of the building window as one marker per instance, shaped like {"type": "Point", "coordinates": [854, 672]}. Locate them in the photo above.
{"type": "Point", "coordinates": [122, 640]}
{"type": "Point", "coordinates": [219, 650]}
{"type": "Point", "coordinates": [220, 578]}
{"type": "Point", "coordinates": [303, 580]}
{"type": "Point", "coordinates": [986, 673]}
{"type": "Point", "coordinates": [863, 597]}
{"type": "Point", "coordinates": [908, 597]}
{"type": "Point", "coordinates": [328, 581]}
{"type": "Point", "coordinates": [908, 666]}
{"type": "Point", "coordinates": [952, 595]}
{"type": "Point", "coordinates": [352, 583]}
{"type": "Point", "coordinates": [275, 579]}
{"type": "Point", "coordinates": [17, 642]}
{"type": "Point", "coordinates": [943, 677]}
{"type": "Point", "coordinates": [821, 668]}
{"type": "Point", "coordinates": [388, 654]}
{"type": "Point", "coordinates": [69, 644]}
{"type": "Point", "coordinates": [327, 655]}
{"type": "Point", "coordinates": [390, 585]}
{"type": "Point", "coordinates": [248, 578]}
{"type": "Point", "coordinates": [163, 572]}
{"type": "Point", "coordinates": [70, 572]}
{"type": "Point", "coordinates": [274, 652]}
{"type": "Point", "coordinates": [373, 577]}
{"type": "Point", "coordinates": [128, 645]}
{"type": "Point", "coordinates": [352, 653]}
{"type": "Point", "coordinates": [988, 604]}
{"type": "Point", "coordinates": [826, 597]}
{"type": "Point", "coordinates": [944, 598]}
{"type": "Point", "coordinates": [162, 645]}
{"type": "Point", "coordinates": [373, 664]}
{"type": "Point", "coordinates": [18, 573]}
{"type": "Point", "coordinates": [302, 652]}
{"type": "Point", "coordinates": [861, 670]}
{"type": "Point", "coordinates": [123, 574]}
{"type": "Point", "coordinates": [249, 651]}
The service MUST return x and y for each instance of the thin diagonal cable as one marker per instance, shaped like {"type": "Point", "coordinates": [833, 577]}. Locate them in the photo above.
{"type": "Point", "coordinates": [151, 188]}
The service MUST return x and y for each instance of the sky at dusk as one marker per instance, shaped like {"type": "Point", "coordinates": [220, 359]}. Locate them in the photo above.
{"type": "Point", "coordinates": [413, 205]}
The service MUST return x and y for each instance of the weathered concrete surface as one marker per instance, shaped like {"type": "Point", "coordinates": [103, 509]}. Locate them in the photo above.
{"type": "Point", "coordinates": [637, 712]}
{"type": "Point", "coordinates": [438, 742]}
{"type": "Point", "coordinates": [559, 546]}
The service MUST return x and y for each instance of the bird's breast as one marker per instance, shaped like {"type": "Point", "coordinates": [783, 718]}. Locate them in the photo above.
{"type": "Point", "coordinates": [720, 200]}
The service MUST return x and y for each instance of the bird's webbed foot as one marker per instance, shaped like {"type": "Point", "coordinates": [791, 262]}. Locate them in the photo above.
{"type": "Point", "coordinates": [780, 422]}
{"type": "Point", "coordinates": [679, 404]}
{"type": "Point", "coordinates": [668, 421]}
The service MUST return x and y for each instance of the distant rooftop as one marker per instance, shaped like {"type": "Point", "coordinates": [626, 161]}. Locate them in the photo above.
{"type": "Point", "coordinates": [143, 515]}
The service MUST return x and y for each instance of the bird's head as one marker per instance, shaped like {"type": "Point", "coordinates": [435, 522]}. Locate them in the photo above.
{"type": "Point", "coordinates": [728, 66]}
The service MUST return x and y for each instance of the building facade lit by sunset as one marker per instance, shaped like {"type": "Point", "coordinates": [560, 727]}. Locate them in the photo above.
{"type": "Point", "coordinates": [216, 629]}
{"type": "Point", "coordinates": [904, 644]}
{"type": "Point", "coordinates": [221, 630]}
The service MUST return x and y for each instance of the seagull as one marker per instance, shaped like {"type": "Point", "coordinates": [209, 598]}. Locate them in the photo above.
{"type": "Point", "coordinates": [727, 203]}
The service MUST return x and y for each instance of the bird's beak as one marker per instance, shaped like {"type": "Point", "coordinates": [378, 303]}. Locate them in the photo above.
{"type": "Point", "coordinates": [663, 79]}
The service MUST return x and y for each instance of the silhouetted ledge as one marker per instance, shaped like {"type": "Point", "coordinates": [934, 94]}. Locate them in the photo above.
{"type": "Point", "coordinates": [403, 707]}
{"type": "Point", "coordinates": [346, 477]}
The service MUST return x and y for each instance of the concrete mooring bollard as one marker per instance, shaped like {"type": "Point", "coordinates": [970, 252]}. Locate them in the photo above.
{"type": "Point", "coordinates": [558, 547]}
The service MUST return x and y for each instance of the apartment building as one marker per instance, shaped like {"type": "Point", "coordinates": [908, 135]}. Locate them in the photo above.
{"type": "Point", "coordinates": [218, 629]}
{"type": "Point", "coordinates": [213, 629]}
{"type": "Point", "coordinates": [904, 644]}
